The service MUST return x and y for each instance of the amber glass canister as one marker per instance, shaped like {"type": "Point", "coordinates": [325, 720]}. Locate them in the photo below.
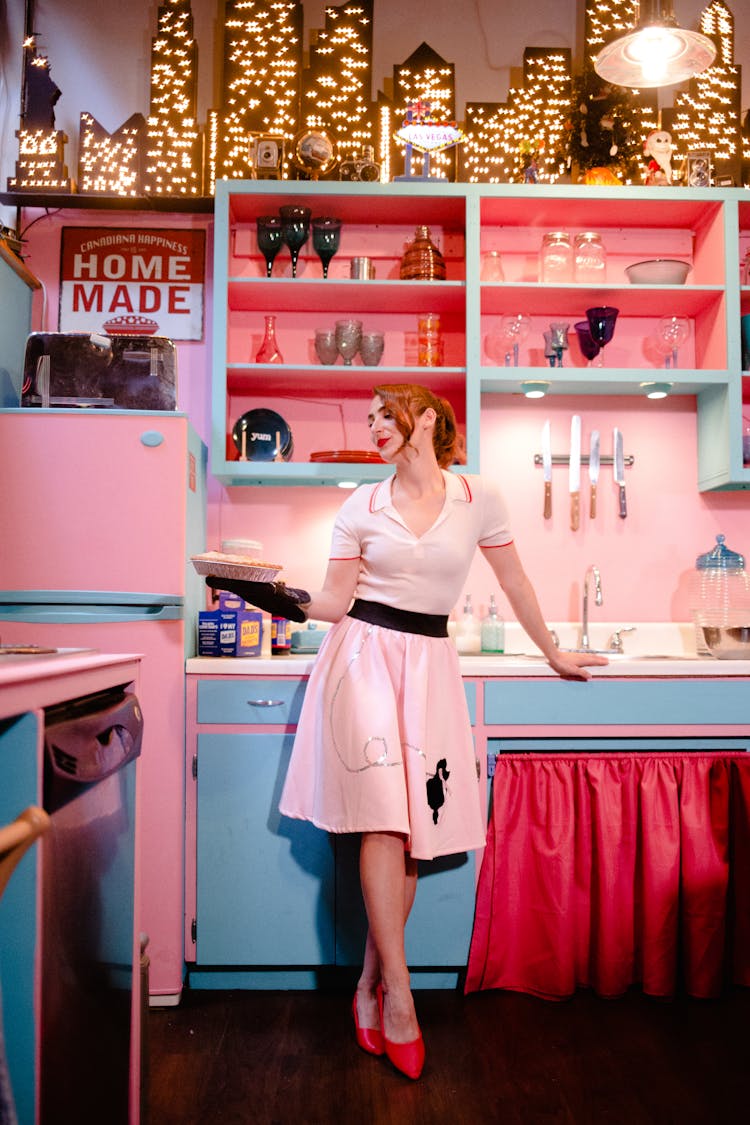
{"type": "Point", "coordinates": [422, 260]}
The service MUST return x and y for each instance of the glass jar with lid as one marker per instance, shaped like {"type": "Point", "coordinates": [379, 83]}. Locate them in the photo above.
{"type": "Point", "coordinates": [590, 258]}
{"type": "Point", "coordinates": [720, 596]}
{"type": "Point", "coordinates": [556, 258]}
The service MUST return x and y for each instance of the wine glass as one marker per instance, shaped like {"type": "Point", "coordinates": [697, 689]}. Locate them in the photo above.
{"type": "Point", "coordinates": [513, 331]}
{"type": "Point", "coordinates": [586, 341]}
{"type": "Point", "coordinates": [601, 320]}
{"type": "Point", "coordinates": [348, 339]}
{"type": "Point", "coordinates": [326, 237]}
{"type": "Point", "coordinates": [673, 331]}
{"type": "Point", "coordinates": [269, 238]}
{"type": "Point", "coordinates": [295, 225]}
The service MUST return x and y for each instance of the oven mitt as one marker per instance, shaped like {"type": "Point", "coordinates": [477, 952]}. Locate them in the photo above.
{"type": "Point", "coordinates": [274, 597]}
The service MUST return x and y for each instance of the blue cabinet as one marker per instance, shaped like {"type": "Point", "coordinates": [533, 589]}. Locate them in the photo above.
{"type": "Point", "coordinates": [278, 899]}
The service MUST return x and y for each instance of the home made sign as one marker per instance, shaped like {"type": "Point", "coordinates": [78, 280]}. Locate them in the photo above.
{"type": "Point", "coordinates": [145, 282]}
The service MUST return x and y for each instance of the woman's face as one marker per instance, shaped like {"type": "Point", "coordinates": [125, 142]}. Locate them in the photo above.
{"type": "Point", "coordinates": [384, 433]}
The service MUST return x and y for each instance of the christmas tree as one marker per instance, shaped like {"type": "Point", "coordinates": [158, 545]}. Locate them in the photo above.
{"type": "Point", "coordinates": [605, 128]}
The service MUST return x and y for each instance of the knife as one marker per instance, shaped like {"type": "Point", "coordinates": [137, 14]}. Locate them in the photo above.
{"type": "Point", "coordinates": [619, 471]}
{"type": "Point", "coordinates": [593, 471]}
{"type": "Point", "coordinates": [547, 466]}
{"type": "Point", "coordinates": [574, 476]}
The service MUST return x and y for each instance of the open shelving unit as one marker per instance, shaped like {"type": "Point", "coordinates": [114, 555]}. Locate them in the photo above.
{"type": "Point", "coordinates": [325, 406]}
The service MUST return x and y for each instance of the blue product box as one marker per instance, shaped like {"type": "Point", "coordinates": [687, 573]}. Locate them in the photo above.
{"type": "Point", "coordinates": [217, 633]}
{"type": "Point", "coordinates": [249, 624]}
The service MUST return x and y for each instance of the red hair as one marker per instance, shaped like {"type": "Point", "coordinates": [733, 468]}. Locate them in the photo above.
{"type": "Point", "coordinates": [407, 402]}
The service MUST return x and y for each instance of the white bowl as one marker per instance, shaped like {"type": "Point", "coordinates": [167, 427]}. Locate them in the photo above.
{"type": "Point", "coordinates": [658, 271]}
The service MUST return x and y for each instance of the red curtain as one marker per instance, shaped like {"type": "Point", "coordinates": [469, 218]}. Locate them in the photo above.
{"type": "Point", "coordinates": [609, 870]}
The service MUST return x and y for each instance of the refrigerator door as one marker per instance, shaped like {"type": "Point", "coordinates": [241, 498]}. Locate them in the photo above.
{"type": "Point", "coordinates": [101, 502]}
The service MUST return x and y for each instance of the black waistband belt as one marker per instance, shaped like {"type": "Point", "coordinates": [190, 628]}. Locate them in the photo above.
{"type": "Point", "coordinates": [375, 613]}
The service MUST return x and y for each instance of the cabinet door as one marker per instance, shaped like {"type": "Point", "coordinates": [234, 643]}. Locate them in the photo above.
{"type": "Point", "coordinates": [265, 883]}
{"type": "Point", "coordinates": [439, 928]}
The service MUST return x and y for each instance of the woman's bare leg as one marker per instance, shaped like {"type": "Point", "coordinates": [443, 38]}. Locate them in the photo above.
{"type": "Point", "coordinates": [388, 876]}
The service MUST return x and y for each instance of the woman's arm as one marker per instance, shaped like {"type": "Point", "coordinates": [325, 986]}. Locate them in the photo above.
{"type": "Point", "coordinates": [333, 600]}
{"type": "Point", "coordinates": [514, 581]}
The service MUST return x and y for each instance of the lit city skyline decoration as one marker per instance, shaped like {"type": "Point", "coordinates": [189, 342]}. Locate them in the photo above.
{"type": "Point", "coordinates": [269, 98]}
{"type": "Point", "coordinates": [262, 82]}
{"type": "Point", "coordinates": [40, 166]}
{"type": "Point", "coordinates": [505, 141]}
{"type": "Point", "coordinates": [604, 20]}
{"type": "Point", "coordinates": [111, 163]}
{"type": "Point", "coordinates": [708, 115]}
{"type": "Point", "coordinates": [336, 89]}
{"type": "Point", "coordinates": [173, 162]}
{"type": "Point", "coordinates": [424, 76]}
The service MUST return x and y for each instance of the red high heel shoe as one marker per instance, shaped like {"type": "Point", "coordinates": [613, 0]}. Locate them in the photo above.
{"type": "Point", "coordinates": [370, 1039]}
{"type": "Point", "coordinates": [406, 1057]}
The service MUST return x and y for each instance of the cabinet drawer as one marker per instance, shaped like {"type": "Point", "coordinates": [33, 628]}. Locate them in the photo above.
{"type": "Point", "coordinates": [250, 701]}
{"type": "Point", "coordinates": [616, 703]}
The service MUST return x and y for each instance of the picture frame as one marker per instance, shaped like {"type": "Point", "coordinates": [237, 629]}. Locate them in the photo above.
{"type": "Point", "coordinates": [698, 168]}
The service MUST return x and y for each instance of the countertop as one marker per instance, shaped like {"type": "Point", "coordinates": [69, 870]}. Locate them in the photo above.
{"type": "Point", "coordinates": [30, 682]}
{"type": "Point", "coordinates": [620, 667]}
{"type": "Point", "coordinates": [653, 649]}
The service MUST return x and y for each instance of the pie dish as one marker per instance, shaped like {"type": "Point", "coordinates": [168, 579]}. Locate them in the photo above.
{"type": "Point", "coordinates": [234, 566]}
{"type": "Point", "coordinates": [347, 456]}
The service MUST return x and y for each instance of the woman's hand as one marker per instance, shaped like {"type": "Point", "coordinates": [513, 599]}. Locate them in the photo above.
{"type": "Point", "coordinates": [573, 665]}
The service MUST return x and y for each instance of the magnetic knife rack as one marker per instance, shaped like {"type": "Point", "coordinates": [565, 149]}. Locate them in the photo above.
{"type": "Point", "coordinates": [564, 459]}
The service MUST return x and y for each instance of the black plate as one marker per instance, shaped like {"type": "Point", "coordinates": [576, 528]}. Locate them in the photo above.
{"type": "Point", "coordinates": [260, 429]}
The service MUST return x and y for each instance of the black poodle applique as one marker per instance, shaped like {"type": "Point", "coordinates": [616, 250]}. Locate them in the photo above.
{"type": "Point", "coordinates": [436, 790]}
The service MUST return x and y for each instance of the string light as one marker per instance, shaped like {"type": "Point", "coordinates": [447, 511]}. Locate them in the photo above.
{"type": "Point", "coordinates": [501, 137]}
{"type": "Point", "coordinates": [428, 77]}
{"type": "Point", "coordinates": [174, 145]}
{"type": "Point", "coordinates": [707, 116]}
{"type": "Point", "coordinates": [262, 80]}
{"type": "Point", "coordinates": [110, 164]}
{"type": "Point", "coordinates": [336, 94]}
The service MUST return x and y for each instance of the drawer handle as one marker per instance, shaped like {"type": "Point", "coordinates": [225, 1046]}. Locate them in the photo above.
{"type": "Point", "coordinates": [265, 702]}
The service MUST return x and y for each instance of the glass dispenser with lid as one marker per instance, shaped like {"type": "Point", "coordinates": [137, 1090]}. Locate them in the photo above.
{"type": "Point", "coordinates": [721, 603]}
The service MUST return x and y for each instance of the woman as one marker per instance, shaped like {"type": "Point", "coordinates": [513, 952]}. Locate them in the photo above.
{"type": "Point", "coordinates": [383, 745]}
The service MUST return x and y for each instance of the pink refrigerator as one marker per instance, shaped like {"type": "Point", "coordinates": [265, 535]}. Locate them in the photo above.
{"type": "Point", "coordinates": [100, 512]}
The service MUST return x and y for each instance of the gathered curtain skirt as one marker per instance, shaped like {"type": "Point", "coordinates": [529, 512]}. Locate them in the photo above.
{"type": "Point", "coordinates": [608, 870]}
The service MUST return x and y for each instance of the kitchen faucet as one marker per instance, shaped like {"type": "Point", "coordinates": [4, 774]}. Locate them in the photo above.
{"type": "Point", "coordinates": [593, 571]}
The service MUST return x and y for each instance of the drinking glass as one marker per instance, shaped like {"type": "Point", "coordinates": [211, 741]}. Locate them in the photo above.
{"type": "Point", "coordinates": [325, 346]}
{"type": "Point", "coordinates": [672, 332]}
{"type": "Point", "coordinates": [348, 339]}
{"type": "Point", "coordinates": [326, 237]}
{"type": "Point", "coordinates": [295, 225]}
{"type": "Point", "coordinates": [559, 336]}
{"type": "Point", "coordinates": [602, 320]}
{"type": "Point", "coordinates": [588, 345]}
{"type": "Point", "coordinates": [269, 238]}
{"type": "Point", "coordinates": [371, 348]}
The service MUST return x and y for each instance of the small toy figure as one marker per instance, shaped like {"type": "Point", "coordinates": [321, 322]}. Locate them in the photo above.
{"type": "Point", "coordinates": [657, 148]}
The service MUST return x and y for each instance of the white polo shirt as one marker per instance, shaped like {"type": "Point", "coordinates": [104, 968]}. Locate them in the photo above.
{"type": "Point", "coordinates": [423, 574]}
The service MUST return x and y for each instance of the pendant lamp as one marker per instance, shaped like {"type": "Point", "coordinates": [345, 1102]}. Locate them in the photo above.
{"type": "Point", "coordinates": [657, 52]}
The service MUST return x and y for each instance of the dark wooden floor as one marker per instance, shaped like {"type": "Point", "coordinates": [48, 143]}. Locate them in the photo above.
{"type": "Point", "coordinates": [276, 1058]}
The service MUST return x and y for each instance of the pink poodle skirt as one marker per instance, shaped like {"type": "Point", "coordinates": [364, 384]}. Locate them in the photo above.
{"type": "Point", "coordinates": [384, 742]}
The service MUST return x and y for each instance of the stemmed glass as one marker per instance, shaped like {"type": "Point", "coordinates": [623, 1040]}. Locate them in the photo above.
{"type": "Point", "coordinates": [586, 342]}
{"type": "Point", "coordinates": [513, 331]}
{"type": "Point", "coordinates": [348, 339]}
{"type": "Point", "coordinates": [559, 339]}
{"type": "Point", "coordinates": [673, 331]}
{"type": "Point", "coordinates": [295, 223]}
{"type": "Point", "coordinates": [326, 237]}
{"type": "Point", "coordinates": [270, 238]}
{"type": "Point", "coordinates": [601, 320]}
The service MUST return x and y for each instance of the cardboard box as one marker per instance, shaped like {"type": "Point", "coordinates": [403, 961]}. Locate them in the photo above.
{"type": "Point", "coordinates": [217, 633]}
{"type": "Point", "coordinates": [249, 623]}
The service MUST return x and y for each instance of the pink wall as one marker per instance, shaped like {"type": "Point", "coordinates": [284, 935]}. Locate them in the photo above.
{"type": "Point", "coordinates": [645, 560]}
